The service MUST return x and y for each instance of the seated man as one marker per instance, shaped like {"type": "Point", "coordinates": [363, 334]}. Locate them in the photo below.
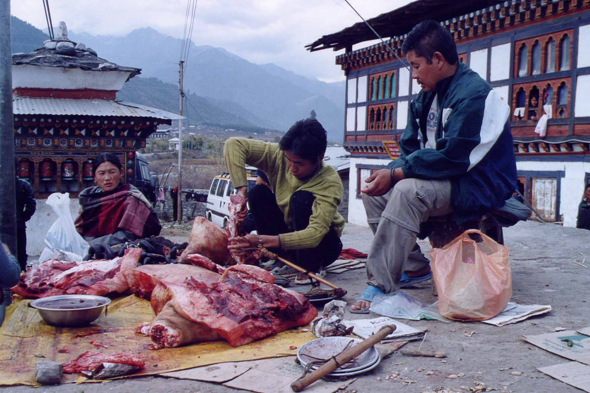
{"type": "Point", "coordinates": [299, 221]}
{"type": "Point", "coordinates": [112, 212]}
{"type": "Point", "coordinates": [456, 156]}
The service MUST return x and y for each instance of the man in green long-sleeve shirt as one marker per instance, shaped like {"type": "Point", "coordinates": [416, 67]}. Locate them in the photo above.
{"type": "Point", "coordinates": [298, 217]}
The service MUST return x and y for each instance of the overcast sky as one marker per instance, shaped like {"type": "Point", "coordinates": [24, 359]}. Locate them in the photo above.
{"type": "Point", "coordinates": [261, 31]}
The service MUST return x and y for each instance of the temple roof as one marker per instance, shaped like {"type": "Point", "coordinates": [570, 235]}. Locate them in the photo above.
{"type": "Point", "coordinates": [400, 21]}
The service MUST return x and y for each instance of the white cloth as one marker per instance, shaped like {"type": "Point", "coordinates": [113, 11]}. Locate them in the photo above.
{"type": "Point", "coordinates": [519, 112]}
{"type": "Point", "coordinates": [541, 127]}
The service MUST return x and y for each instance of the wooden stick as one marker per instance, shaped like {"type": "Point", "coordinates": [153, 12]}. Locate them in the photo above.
{"type": "Point", "coordinates": [343, 358]}
{"type": "Point", "coordinates": [424, 354]}
{"type": "Point", "coordinates": [302, 270]}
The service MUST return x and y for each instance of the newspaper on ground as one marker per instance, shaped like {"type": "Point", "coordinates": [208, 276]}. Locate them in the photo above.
{"type": "Point", "coordinates": [569, 344]}
{"type": "Point", "coordinates": [364, 328]}
{"type": "Point", "coordinates": [573, 373]}
{"type": "Point", "coordinates": [514, 313]}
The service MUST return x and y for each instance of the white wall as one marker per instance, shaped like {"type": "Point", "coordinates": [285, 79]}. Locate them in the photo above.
{"type": "Point", "coordinates": [582, 98]}
{"type": "Point", "coordinates": [572, 185]}
{"type": "Point", "coordinates": [500, 66]}
{"type": "Point", "coordinates": [361, 118]}
{"type": "Point", "coordinates": [402, 115]}
{"type": "Point", "coordinates": [356, 210]}
{"type": "Point", "coordinates": [350, 119]}
{"type": "Point", "coordinates": [479, 62]}
{"type": "Point", "coordinates": [351, 91]}
{"type": "Point", "coordinates": [66, 78]}
{"type": "Point", "coordinates": [362, 89]}
{"type": "Point", "coordinates": [40, 223]}
{"type": "Point", "coordinates": [404, 82]}
{"type": "Point", "coordinates": [583, 45]}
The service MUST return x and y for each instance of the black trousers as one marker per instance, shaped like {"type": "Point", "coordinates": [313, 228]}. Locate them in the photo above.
{"type": "Point", "coordinates": [269, 220]}
{"type": "Point", "coordinates": [21, 248]}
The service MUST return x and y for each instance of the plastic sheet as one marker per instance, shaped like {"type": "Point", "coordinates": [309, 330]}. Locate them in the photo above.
{"type": "Point", "coordinates": [26, 339]}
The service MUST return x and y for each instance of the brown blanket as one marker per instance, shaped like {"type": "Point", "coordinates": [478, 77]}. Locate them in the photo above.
{"type": "Point", "coordinates": [124, 208]}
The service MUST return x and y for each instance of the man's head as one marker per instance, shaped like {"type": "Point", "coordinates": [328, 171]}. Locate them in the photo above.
{"type": "Point", "coordinates": [432, 54]}
{"type": "Point", "coordinates": [304, 146]}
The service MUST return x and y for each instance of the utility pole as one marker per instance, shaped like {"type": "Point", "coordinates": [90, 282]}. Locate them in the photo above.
{"type": "Point", "coordinates": [8, 178]}
{"type": "Point", "coordinates": [179, 196]}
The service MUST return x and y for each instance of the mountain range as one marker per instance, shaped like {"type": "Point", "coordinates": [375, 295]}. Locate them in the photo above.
{"type": "Point", "coordinates": [221, 88]}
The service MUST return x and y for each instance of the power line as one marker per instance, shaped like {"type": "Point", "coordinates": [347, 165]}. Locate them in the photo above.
{"type": "Point", "coordinates": [48, 19]}
{"type": "Point", "coordinates": [377, 34]}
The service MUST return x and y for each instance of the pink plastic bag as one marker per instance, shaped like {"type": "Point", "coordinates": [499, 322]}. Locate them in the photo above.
{"type": "Point", "coordinates": [474, 280]}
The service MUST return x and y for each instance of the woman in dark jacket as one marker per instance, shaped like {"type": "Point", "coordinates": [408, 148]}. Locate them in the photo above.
{"type": "Point", "coordinates": [584, 210]}
{"type": "Point", "coordinates": [9, 275]}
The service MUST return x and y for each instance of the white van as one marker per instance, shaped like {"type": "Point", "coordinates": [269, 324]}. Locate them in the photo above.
{"type": "Point", "coordinates": [218, 198]}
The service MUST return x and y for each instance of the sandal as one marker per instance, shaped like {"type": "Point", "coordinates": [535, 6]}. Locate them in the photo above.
{"type": "Point", "coordinates": [407, 281]}
{"type": "Point", "coordinates": [368, 294]}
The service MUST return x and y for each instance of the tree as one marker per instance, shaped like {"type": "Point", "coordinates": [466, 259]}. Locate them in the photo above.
{"type": "Point", "coordinates": [312, 114]}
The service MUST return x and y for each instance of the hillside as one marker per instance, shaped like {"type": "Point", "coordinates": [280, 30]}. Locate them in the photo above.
{"type": "Point", "coordinates": [222, 88]}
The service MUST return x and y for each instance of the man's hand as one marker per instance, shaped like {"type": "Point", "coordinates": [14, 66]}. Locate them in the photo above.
{"type": "Point", "coordinates": [378, 183]}
{"type": "Point", "coordinates": [243, 191]}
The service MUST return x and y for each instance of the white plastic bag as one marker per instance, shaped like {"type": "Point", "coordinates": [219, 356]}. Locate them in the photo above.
{"type": "Point", "coordinates": [62, 236]}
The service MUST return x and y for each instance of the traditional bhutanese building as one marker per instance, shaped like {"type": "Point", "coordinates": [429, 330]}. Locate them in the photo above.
{"type": "Point", "coordinates": [531, 52]}
{"type": "Point", "coordinates": [66, 114]}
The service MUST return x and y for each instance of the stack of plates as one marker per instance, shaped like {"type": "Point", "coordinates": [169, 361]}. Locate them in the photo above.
{"type": "Point", "coordinates": [327, 347]}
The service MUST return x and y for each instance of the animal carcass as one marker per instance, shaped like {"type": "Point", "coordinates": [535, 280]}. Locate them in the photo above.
{"type": "Point", "coordinates": [209, 240]}
{"type": "Point", "coordinates": [99, 277]}
{"type": "Point", "coordinates": [243, 306]}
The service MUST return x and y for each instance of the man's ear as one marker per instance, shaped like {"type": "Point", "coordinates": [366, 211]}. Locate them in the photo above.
{"type": "Point", "coordinates": [438, 59]}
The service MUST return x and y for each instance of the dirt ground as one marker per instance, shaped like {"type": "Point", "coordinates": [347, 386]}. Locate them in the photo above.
{"type": "Point", "coordinates": [550, 265]}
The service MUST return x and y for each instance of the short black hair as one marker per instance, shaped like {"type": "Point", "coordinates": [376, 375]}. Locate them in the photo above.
{"type": "Point", "coordinates": [428, 37]}
{"type": "Point", "coordinates": [106, 157]}
{"type": "Point", "coordinates": [306, 138]}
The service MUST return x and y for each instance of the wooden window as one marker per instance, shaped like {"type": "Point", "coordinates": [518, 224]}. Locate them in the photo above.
{"type": "Point", "coordinates": [373, 89]}
{"type": "Point", "coordinates": [550, 56]}
{"type": "Point", "coordinates": [564, 59]}
{"type": "Point", "coordinates": [380, 88]}
{"type": "Point", "coordinates": [523, 55]}
{"type": "Point", "coordinates": [387, 86]}
{"type": "Point", "coordinates": [533, 108]}
{"type": "Point", "coordinates": [392, 95]}
{"type": "Point", "coordinates": [536, 58]}
{"type": "Point", "coordinates": [562, 101]}
{"type": "Point", "coordinates": [562, 95]}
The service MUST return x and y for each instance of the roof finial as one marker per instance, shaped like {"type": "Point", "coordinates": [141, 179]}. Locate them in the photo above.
{"type": "Point", "coordinates": [62, 32]}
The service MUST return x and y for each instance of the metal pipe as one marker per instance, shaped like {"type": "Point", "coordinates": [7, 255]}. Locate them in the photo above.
{"type": "Point", "coordinates": [8, 178]}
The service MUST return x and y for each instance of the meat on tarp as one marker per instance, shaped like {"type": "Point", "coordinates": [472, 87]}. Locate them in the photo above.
{"type": "Point", "coordinates": [144, 279]}
{"type": "Point", "coordinates": [208, 240]}
{"type": "Point", "coordinates": [90, 360]}
{"type": "Point", "coordinates": [99, 277]}
{"type": "Point", "coordinates": [243, 306]}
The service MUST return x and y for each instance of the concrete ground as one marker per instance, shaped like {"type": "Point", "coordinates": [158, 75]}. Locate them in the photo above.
{"type": "Point", "coordinates": [547, 268]}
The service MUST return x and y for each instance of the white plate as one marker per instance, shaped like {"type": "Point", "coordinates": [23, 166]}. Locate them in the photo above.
{"type": "Point", "coordinates": [327, 347]}
{"type": "Point", "coordinates": [350, 373]}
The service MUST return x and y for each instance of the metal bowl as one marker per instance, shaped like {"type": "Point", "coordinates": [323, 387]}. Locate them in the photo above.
{"type": "Point", "coordinates": [70, 310]}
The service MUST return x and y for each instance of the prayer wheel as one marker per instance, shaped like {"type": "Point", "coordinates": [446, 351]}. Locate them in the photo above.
{"type": "Point", "coordinates": [47, 170]}
{"type": "Point", "coordinates": [87, 170]}
{"type": "Point", "coordinates": [24, 169]}
{"type": "Point", "coordinates": [67, 170]}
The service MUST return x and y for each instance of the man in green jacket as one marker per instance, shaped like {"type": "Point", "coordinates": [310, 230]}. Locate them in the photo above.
{"type": "Point", "coordinates": [297, 216]}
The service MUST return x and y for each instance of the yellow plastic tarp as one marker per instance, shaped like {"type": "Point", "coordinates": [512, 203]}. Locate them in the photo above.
{"type": "Point", "coordinates": [26, 339]}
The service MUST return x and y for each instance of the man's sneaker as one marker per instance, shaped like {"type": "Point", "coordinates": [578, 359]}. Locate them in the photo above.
{"type": "Point", "coordinates": [303, 278]}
